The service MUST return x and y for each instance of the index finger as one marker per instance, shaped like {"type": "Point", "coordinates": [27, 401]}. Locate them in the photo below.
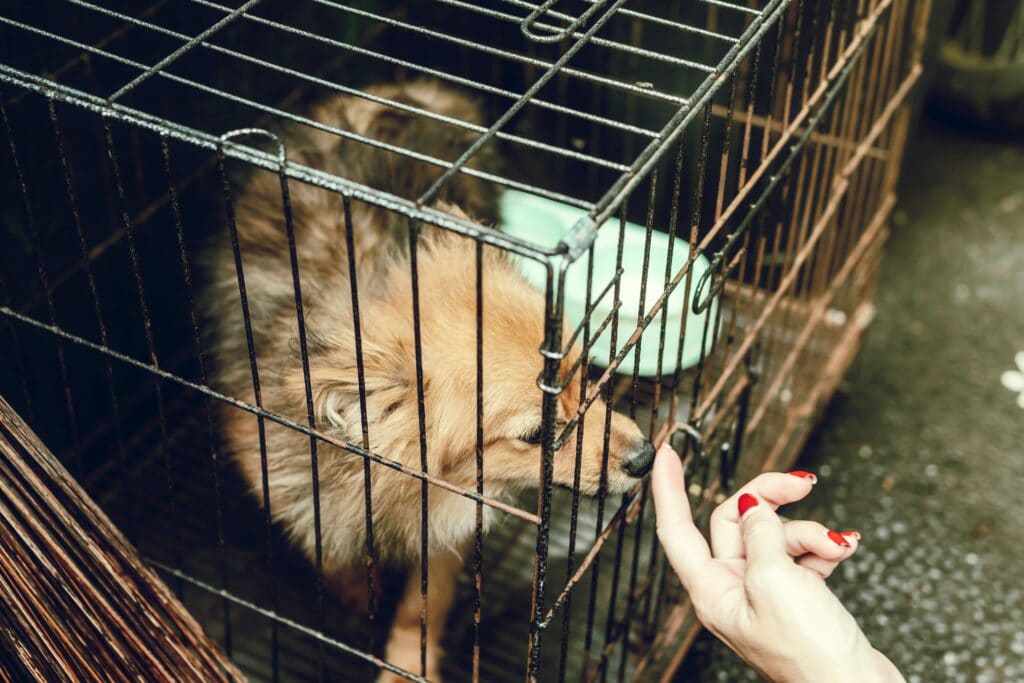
{"type": "Point", "coordinates": [687, 551]}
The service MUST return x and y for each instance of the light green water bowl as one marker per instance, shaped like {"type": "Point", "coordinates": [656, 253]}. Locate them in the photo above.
{"type": "Point", "coordinates": [544, 222]}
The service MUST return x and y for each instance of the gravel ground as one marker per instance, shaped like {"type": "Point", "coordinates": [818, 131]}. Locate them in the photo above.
{"type": "Point", "coordinates": [923, 448]}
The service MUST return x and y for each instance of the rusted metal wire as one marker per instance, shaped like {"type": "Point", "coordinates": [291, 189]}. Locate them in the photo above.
{"type": "Point", "coordinates": [77, 596]}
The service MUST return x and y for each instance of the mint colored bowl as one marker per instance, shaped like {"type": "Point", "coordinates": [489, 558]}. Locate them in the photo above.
{"type": "Point", "coordinates": [544, 222]}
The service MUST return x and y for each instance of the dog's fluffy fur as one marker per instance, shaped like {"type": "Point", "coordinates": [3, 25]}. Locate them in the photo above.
{"type": "Point", "coordinates": [513, 328]}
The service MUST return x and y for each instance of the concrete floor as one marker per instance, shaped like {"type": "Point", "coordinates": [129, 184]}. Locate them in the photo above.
{"type": "Point", "coordinates": [922, 450]}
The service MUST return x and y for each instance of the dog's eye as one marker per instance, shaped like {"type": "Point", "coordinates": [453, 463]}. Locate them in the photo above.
{"type": "Point", "coordinates": [535, 437]}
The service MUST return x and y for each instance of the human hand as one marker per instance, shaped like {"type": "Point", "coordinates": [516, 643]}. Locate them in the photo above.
{"type": "Point", "coordinates": [760, 586]}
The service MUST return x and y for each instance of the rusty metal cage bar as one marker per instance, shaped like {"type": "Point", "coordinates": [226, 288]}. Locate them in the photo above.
{"type": "Point", "coordinates": [55, 536]}
{"type": "Point", "coordinates": [792, 225]}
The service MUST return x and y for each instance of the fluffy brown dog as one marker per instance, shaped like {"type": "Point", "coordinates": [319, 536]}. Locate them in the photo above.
{"type": "Point", "coordinates": [513, 328]}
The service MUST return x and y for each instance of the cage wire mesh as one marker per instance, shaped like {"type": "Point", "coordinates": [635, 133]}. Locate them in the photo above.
{"type": "Point", "coordinates": [765, 137]}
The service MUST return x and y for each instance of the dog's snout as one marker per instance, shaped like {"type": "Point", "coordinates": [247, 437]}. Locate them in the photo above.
{"type": "Point", "coordinates": [640, 459]}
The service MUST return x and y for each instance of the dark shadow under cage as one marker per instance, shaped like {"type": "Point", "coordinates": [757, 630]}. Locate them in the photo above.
{"type": "Point", "coordinates": [766, 137]}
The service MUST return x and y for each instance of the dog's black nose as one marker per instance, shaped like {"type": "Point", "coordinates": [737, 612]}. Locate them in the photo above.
{"type": "Point", "coordinates": [640, 459]}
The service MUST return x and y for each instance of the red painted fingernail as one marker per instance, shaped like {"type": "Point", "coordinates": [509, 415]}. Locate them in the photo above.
{"type": "Point", "coordinates": [838, 539]}
{"type": "Point", "coordinates": [746, 502]}
{"type": "Point", "coordinates": [805, 475]}
{"type": "Point", "coordinates": [851, 532]}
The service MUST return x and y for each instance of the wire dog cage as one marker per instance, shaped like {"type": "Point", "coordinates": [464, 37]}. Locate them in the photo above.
{"type": "Point", "coordinates": [761, 139]}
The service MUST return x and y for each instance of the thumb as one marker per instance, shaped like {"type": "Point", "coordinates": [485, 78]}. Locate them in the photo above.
{"type": "Point", "coordinates": [764, 539]}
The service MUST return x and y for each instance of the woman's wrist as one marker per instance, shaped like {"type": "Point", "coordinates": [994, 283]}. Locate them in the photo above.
{"type": "Point", "coordinates": [871, 667]}
{"type": "Point", "coordinates": [865, 665]}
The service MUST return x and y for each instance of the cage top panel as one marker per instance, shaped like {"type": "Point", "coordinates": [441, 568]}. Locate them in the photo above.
{"type": "Point", "coordinates": [580, 96]}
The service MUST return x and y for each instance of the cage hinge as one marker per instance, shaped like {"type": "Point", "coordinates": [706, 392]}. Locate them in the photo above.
{"type": "Point", "coordinates": [579, 238]}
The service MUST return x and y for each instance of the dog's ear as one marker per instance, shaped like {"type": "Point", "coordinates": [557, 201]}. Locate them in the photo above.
{"type": "Point", "coordinates": [334, 375]}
